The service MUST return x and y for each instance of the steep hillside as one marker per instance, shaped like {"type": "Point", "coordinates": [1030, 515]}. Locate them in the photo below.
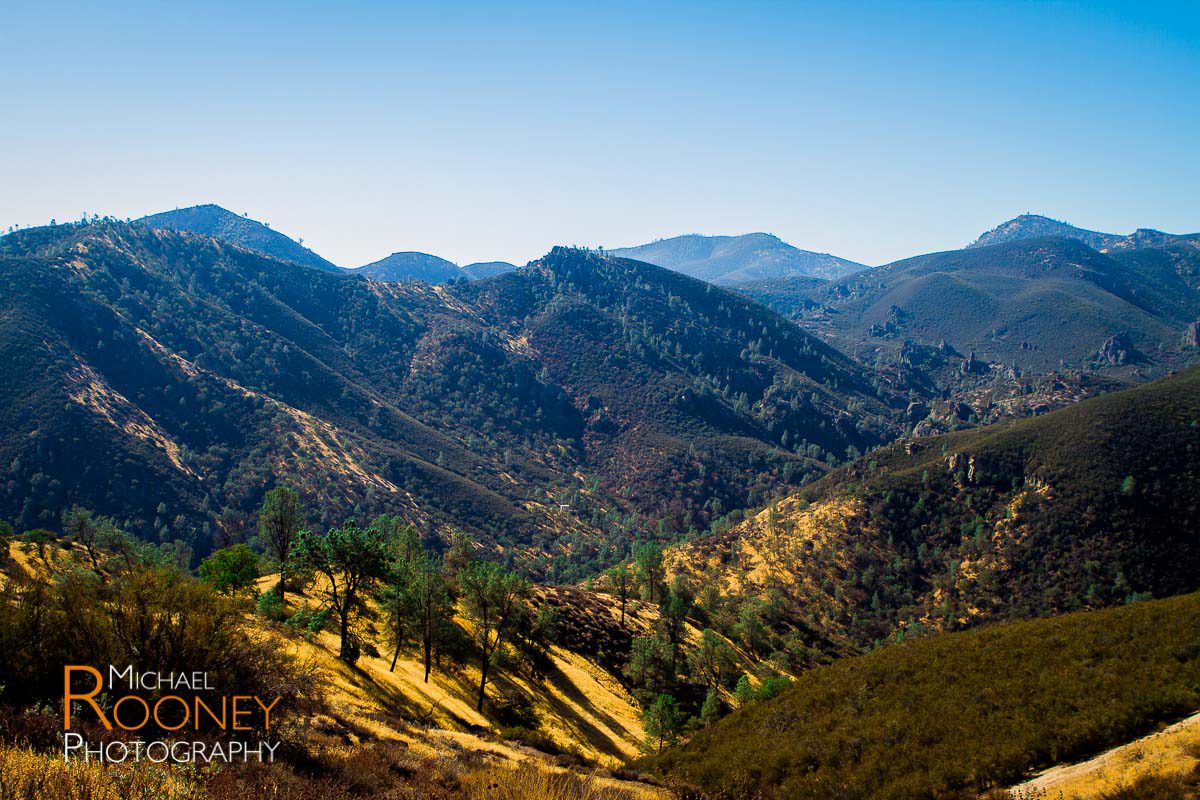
{"type": "Point", "coordinates": [553, 410]}
{"type": "Point", "coordinates": [409, 266]}
{"type": "Point", "coordinates": [553, 711]}
{"type": "Point", "coordinates": [731, 260]}
{"type": "Point", "coordinates": [951, 716]}
{"type": "Point", "coordinates": [1036, 304]}
{"type": "Point", "coordinates": [1083, 507]}
{"type": "Point", "coordinates": [225, 226]}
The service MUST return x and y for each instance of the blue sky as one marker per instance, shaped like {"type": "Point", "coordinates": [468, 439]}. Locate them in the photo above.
{"type": "Point", "coordinates": [495, 130]}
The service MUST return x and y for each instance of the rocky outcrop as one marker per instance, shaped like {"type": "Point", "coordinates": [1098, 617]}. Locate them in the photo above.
{"type": "Point", "coordinates": [972, 365]}
{"type": "Point", "coordinates": [917, 411]}
{"type": "Point", "coordinates": [1119, 350]}
{"type": "Point", "coordinates": [1191, 335]}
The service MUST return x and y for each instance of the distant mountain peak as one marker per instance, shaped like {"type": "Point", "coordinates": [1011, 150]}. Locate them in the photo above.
{"type": "Point", "coordinates": [486, 269]}
{"type": "Point", "coordinates": [1036, 226]}
{"type": "Point", "coordinates": [226, 226]}
{"type": "Point", "coordinates": [410, 265]}
{"type": "Point", "coordinates": [731, 260]}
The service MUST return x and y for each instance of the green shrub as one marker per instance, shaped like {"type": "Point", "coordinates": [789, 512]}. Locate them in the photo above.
{"type": "Point", "coordinates": [270, 606]}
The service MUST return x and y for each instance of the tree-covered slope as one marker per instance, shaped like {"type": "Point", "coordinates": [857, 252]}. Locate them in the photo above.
{"type": "Point", "coordinates": [1083, 507]}
{"type": "Point", "coordinates": [170, 380]}
{"type": "Point", "coordinates": [951, 716]}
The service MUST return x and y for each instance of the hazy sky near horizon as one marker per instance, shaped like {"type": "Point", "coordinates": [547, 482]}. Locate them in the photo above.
{"type": "Point", "coordinates": [484, 131]}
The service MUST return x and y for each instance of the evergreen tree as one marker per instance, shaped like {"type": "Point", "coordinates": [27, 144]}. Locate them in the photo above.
{"type": "Point", "coordinates": [620, 578]}
{"type": "Point", "coordinates": [494, 601]}
{"type": "Point", "coordinates": [279, 526]}
{"type": "Point", "coordinates": [651, 575]}
{"type": "Point", "coordinates": [351, 560]}
{"type": "Point", "coordinates": [663, 721]}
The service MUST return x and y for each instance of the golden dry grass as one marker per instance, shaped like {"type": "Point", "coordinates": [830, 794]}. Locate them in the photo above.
{"type": "Point", "coordinates": [579, 706]}
{"type": "Point", "coordinates": [1172, 751]}
{"type": "Point", "coordinates": [29, 775]}
{"type": "Point", "coordinates": [528, 782]}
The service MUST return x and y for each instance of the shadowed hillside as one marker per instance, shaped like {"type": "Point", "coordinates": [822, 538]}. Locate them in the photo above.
{"type": "Point", "coordinates": [535, 410]}
{"type": "Point", "coordinates": [954, 715]}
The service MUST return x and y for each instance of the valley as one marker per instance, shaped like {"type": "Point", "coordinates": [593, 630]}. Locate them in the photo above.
{"type": "Point", "coordinates": [718, 516]}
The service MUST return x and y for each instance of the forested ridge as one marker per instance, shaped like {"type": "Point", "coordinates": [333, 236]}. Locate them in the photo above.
{"type": "Point", "coordinates": [569, 408]}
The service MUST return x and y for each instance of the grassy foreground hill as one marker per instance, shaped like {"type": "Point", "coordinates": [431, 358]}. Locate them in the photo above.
{"type": "Point", "coordinates": [951, 716]}
{"type": "Point", "coordinates": [376, 729]}
{"type": "Point", "coordinates": [1083, 507]}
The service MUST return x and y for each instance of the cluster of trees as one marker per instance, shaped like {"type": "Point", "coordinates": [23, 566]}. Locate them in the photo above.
{"type": "Point", "coordinates": [679, 682]}
{"type": "Point", "coordinates": [381, 572]}
{"type": "Point", "coordinates": [353, 570]}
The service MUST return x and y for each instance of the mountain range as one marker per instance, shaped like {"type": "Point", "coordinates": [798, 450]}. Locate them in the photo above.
{"type": "Point", "coordinates": [550, 410]}
{"type": "Point", "coordinates": [226, 226]}
{"type": "Point", "coordinates": [589, 409]}
{"type": "Point", "coordinates": [723, 260]}
{"type": "Point", "coordinates": [1036, 303]}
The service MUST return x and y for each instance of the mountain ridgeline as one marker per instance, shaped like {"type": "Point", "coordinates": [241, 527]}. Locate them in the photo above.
{"type": "Point", "coordinates": [170, 380]}
{"type": "Point", "coordinates": [402, 267]}
{"type": "Point", "coordinates": [223, 225]}
{"type": "Point", "coordinates": [1035, 303]}
{"type": "Point", "coordinates": [1034, 226]}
